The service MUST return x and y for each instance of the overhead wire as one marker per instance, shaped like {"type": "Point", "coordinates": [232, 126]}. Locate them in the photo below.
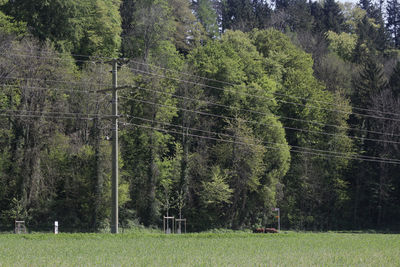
{"type": "Point", "coordinates": [232, 84]}
{"type": "Point", "coordinates": [74, 55]}
{"type": "Point", "coordinates": [266, 114]}
{"type": "Point", "coordinates": [243, 143]}
{"type": "Point", "coordinates": [283, 117]}
{"type": "Point", "coordinates": [55, 81]}
{"type": "Point", "coordinates": [224, 82]}
{"type": "Point", "coordinates": [274, 93]}
{"type": "Point", "coordinates": [263, 97]}
{"type": "Point", "coordinates": [47, 116]}
{"type": "Point", "coordinates": [259, 123]}
{"type": "Point", "coordinates": [260, 141]}
{"type": "Point", "coordinates": [48, 88]}
{"type": "Point", "coordinates": [377, 117]}
{"type": "Point", "coordinates": [32, 112]}
{"type": "Point", "coordinates": [47, 57]}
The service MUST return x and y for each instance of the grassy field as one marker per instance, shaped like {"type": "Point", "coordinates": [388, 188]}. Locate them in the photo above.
{"type": "Point", "coordinates": [204, 249]}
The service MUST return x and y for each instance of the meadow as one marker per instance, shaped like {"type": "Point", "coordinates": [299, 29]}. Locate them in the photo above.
{"type": "Point", "coordinates": [202, 249]}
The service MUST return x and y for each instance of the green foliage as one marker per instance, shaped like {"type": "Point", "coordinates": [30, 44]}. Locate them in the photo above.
{"type": "Point", "coordinates": [371, 81]}
{"type": "Point", "coordinates": [252, 168]}
{"type": "Point", "coordinates": [216, 127]}
{"type": "Point", "coordinates": [91, 27]}
{"type": "Point", "coordinates": [208, 17]}
{"type": "Point", "coordinates": [296, 15]}
{"type": "Point", "coordinates": [187, 30]}
{"type": "Point", "coordinates": [333, 16]}
{"type": "Point", "coordinates": [216, 193]}
{"type": "Point", "coordinates": [151, 23]}
{"type": "Point", "coordinates": [328, 16]}
{"type": "Point", "coordinates": [342, 44]}
{"type": "Point", "coordinates": [292, 69]}
{"type": "Point", "coordinates": [101, 35]}
{"type": "Point", "coordinates": [8, 26]}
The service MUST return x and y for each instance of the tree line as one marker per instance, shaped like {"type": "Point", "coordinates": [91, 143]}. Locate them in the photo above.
{"type": "Point", "coordinates": [230, 108]}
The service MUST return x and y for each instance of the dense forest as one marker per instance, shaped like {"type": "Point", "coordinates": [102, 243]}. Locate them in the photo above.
{"type": "Point", "coordinates": [230, 108]}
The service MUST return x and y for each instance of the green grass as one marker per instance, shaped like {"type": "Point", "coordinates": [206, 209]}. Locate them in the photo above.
{"type": "Point", "coordinates": [204, 249]}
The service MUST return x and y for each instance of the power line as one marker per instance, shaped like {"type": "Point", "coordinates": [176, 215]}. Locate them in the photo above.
{"type": "Point", "coordinates": [259, 123]}
{"type": "Point", "coordinates": [274, 93]}
{"type": "Point", "coordinates": [56, 81]}
{"type": "Point", "coordinates": [74, 55]}
{"type": "Point", "coordinates": [289, 118]}
{"type": "Point", "coordinates": [232, 84]}
{"type": "Point", "coordinates": [61, 90]}
{"type": "Point", "coordinates": [265, 98]}
{"type": "Point", "coordinates": [242, 143]}
{"type": "Point", "coordinates": [32, 112]}
{"type": "Point", "coordinates": [357, 156]}
{"type": "Point", "coordinates": [47, 116]}
{"type": "Point", "coordinates": [47, 88]}
{"type": "Point", "coordinates": [47, 57]}
{"type": "Point", "coordinates": [226, 83]}
{"type": "Point", "coordinates": [266, 114]}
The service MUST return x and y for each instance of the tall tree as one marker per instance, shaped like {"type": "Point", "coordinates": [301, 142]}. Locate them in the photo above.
{"type": "Point", "coordinates": [301, 93]}
{"type": "Point", "coordinates": [394, 81]}
{"type": "Point", "coordinates": [393, 21]}
{"type": "Point", "coordinates": [91, 27]}
{"type": "Point", "coordinates": [244, 15]}
{"type": "Point", "coordinates": [254, 155]}
{"type": "Point", "coordinates": [296, 15]}
{"type": "Point", "coordinates": [207, 16]}
{"type": "Point", "coordinates": [369, 84]}
{"type": "Point", "coordinates": [333, 16]}
{"type": "Point", "coordinates": [383, 187]}
{"type": "Point", "coordinates": [151, 161]}
{"type": "Point", "coordinates": [371, 81]}
{"type": "Point", "coordinates": [188, 31]}
{"type": "Point", "coordinates": [327, 16]}
{"type": "Point", "coordinates": [148, 24]}
{"type": "Point", "coordinates": [368, 6]}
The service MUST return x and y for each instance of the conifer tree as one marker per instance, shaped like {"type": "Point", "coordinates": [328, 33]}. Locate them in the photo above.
{"type": "Point", "coordinates": [393, 21]}
{"type": "Point", "coordinates": [394, 81]}
{"type": "Point", "coordinates": [333, 16]}
{"type": "Point", "coordinates": [207, 16]}
{"type": "Point", "coordinates": [371, 81]}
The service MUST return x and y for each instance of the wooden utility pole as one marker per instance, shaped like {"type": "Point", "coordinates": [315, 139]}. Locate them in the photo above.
{"type": "Point", "coordinates": [114, 153]}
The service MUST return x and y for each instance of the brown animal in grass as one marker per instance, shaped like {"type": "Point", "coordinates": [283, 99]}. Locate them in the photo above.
{"type": "Point", "coordinates": [265, 230]}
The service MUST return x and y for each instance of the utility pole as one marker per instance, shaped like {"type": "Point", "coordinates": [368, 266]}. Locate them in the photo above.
{"type": "Point", "coordinates": [114, 153]}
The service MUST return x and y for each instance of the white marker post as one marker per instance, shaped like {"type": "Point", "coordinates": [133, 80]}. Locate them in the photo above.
{"type": "Point", "coordinates": [56, 227]}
